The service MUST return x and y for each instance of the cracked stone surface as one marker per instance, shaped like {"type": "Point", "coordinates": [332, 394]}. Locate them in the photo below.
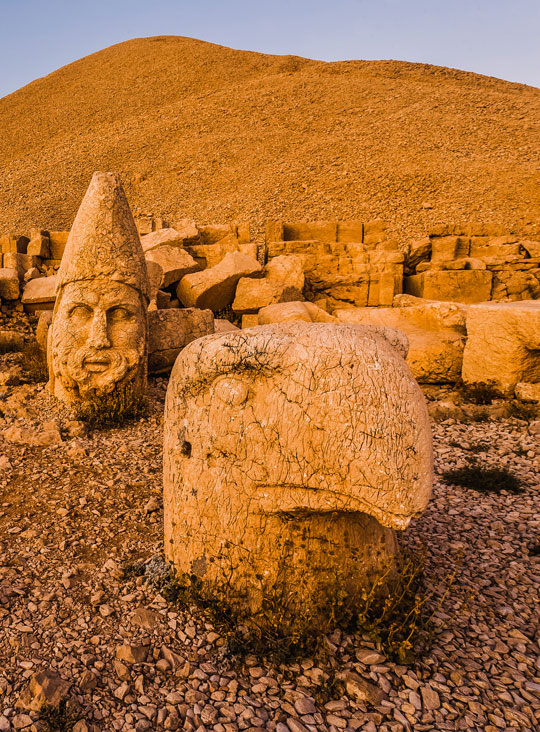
{"type": "Point", "coordinates": [98, 339]}
{"type": "Point", "coordinates": [291, 453]}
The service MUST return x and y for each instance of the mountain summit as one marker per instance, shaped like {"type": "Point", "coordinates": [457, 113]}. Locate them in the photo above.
{"type": "Point", "coordinates": [207, 132]}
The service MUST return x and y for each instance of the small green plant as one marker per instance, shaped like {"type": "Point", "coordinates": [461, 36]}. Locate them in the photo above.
{"type": "Point", "coordinates": [61, 718]}
{"type": "Point", "coordinates": [482, 479]}
{"type": "Point", "coordinates": [395, 611]}
{"type": "Point", "coordinates": [111, 410]}
{"type": "Point", "coordinates": [34, 363]}
{"type": "Point", "coordinates": [481, 393]}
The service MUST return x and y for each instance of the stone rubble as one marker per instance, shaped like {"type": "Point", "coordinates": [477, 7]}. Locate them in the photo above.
{"type": "Point", "coordinates": [74, 515]}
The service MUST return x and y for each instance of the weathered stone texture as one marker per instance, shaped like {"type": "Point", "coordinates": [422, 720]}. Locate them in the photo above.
{"type": "Point", "coordinates": [503, 345]}
{"type": "Point", "coordinates": [170, 331]}
{"type": "Point", "coordinates": [215, 287]}
{"type": "Point", "coordinates": [98, 339]}
{"type": "Point", "coordinates": [175, 263]}
{"type": "Point", "coordinates": [435, 331]}
{"type": "Point", "coordinates": [275, 483]}
{"type": "Point", "coordinates": [350, 263]}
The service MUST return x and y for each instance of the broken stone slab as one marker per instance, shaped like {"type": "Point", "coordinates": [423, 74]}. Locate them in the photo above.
{"type": "Point", "coordinates": [468, 286]}
{"type": "Point", "coordinates": [296, 311]}
{"type": "Point", "coordinates": [12, 243]}
{"type": "Point", "coordinates": [528, 392]}
{"type": "Point", "coordinates": [9, 284]}
{"type": "Point", "coordinates": [435, 330]}
{"type": "Point", "coordinates": [20, 262]}
{"type": "Point", "coordinates": [57, 243]}
{"type": "Point", "coordinates": [163, 237]}
{"type": "Point", "coordinates": [249, 320]}
{"type": "Point", "coordinates": [286, 269]}
{"type": "Point", "coordinates": [174, 261]}
{"type": "Point", "coordinates": [214, 288]}
{"type": "Point", "coordinates": [40, 294]}
{"type": "Point", "coordinates": [252, 295]}
{"type": "Point", "coordinates": [45, 687]}
{"type": "Point", "coordinates": [503, 345]}
{"type": "Point", "coordinates": [39, 244]}
{"type": "Point", "coordinates": [222, 325]}
{"type": "Point", "coordinates": [32, 437]}
{"type": "Point", "coordinates": [208, 255]}
{"type": "Point", "coordinates": [171, 330]}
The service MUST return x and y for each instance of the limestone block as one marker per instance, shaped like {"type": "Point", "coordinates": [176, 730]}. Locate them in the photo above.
{"type": "Point", "coordinates": [418, 251]}
{"type": "Point", "coordinates": [188, 230]}
{"type": "Point", "coordinates": [320, 230]}
{"type": "Point", "coordinates": [42, 329]}
{"type": "Point", "coordinates": [208, 255]}
{"type": "Point", "coordinates": [468, 286]}
{"type": "Point", "coordinates": [503, 252]}
{"type": "Point", "coordinates": [222, 325]}
{"type": "Point", "coordinates": [175, 263]}
{"type": "Point", "coordinates": [503, 345]}
{"type": "Point", "coordinates": [170, 331]}
{"type": "Point", "coordinates": [39, 244]}
{"type": "Point", "coordinates": [215, 287]}
{"type": "Point", "coordinates": [527, 392]}
{"type": "Point", "coordinates": [252, 295]}
{"type": "Point", "coordinates": [214, 233]}
{"type": "Point", "coordinates": [449, 247]}
{"type": "Point", "coordinates": [249, 320]}
{"type": "Point", "coordinates": [163, 237]}
{"type": "Point", "coordinates": [436, 334]}
{"type": "Point", "coordinates": [40, 292]}
{"type": "Point", "coordinates": [374, 232]}
{"type": "Point", "coordinates": [253, 506]}
{"type": "Point", "coordinates": [243, 233]}
{"type": "Point", "coordinates": [287, 312]}
{"type": "Point", "coordinates": [32, 274]}
{"type": "Point", "coordinates": [20, 262]}
{"type": "Point", "coordinates": [274, 231]}
{"type": "Point", "coordinates": [286, 269]}
{"type": "Point", "coordinates": [98, 339]}
{"type": "Point", "coordinates": [12, 243]}
{"type": "Point", "coordinates": [9, 284]}
{"type": "Point", "coordinates": [350, 231]}
{"type": "Point", "coordinates": [532, 248]}
{"type": "Point", "coordinates": [58, 241]}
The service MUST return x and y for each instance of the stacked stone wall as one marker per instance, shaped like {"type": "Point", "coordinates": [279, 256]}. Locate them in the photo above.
{"type": "Point", "coordinates": [475, 263]}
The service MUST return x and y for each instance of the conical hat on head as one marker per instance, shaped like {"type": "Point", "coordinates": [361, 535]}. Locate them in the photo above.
{"type": "Point", "coordinates": [103, 241]}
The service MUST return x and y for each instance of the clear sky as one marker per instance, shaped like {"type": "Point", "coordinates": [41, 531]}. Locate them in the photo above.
{"type": "Point", "coordinates": [494, 37]}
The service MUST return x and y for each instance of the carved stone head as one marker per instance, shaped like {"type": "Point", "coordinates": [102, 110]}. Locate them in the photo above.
{"type": "Point", "coordinates": [98, 340]}
{"type": "Point", "coordinates": [291, 453]}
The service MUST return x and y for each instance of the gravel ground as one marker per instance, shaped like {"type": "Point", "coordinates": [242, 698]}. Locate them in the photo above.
{"type": "Point", "coordinates": [76, 511]}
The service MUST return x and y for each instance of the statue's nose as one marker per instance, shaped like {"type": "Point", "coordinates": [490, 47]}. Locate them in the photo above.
{"type": "Point", "coordinates": [99, 337]}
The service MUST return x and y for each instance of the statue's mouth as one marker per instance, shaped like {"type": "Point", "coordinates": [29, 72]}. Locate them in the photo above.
{"type": "Point", "coordinates": [292, 498]}
{"type": "Point", "coordinates": [96, 364]}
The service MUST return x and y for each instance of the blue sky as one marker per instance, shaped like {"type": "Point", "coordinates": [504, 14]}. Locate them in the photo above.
{"type": "Point", "coordinates": [493, 37]}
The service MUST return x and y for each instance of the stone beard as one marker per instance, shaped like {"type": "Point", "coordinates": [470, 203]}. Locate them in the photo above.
{"type": "Point", "coordinates": [98, 341]}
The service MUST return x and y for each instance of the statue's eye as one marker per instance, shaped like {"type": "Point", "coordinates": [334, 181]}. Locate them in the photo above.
{"type": "Point", "coordinates": [231, 390]}
{"type": "Point", "coordinates": [81, 312]}
{"type": "Point", "coordinates": [119, 313]}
